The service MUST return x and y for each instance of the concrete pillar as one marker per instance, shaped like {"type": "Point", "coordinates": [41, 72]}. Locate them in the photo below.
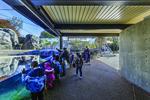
{"type": "Point", "coordinates": [135, 54]}
{"type": "Point", "coordinates": [99, 41]}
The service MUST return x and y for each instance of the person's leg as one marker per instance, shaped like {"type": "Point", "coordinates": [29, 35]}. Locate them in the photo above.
{"type": "Point", "coordinates": [86, 58]}
{"type": "Point", "coordinates": [89, 58]}
{"type": "Point", "coordinates": [34, 96]}
{"type": "Point", "coordinates": [80, 69]}
{"type": "Point", "coordinates": [40, 95]}
{"type": "Point", "coordinates": [64, 69]}
{"type": "Point", "coordinates": [48, 85]}
{"type": "Point", "coordinates": [77, 70]}
{"type": "Point", "coordinates": [57, 76]}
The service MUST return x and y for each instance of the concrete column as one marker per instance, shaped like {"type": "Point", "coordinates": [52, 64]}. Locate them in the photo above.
{"type": "Point", "coordinates": [135, 54]}
{"type": "Point", "coordinates": [99, 41]}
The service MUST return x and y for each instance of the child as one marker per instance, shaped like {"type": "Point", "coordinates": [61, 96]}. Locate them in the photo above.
{"type": "Point", "coordinates": [34, 81]}
{"type": "Point", "coordinates": [57, 67]}
{"type": "Point", "coordinates": [79, 64]}
{"type": "Point", "coordinates": [49, 71]}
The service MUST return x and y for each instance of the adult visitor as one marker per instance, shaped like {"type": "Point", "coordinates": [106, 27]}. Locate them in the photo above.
{"type": "Point", "coordinates": [71, 58]}
{"type": "Point", "coordinates": [65, 55]}
{"type": "Point", "coordinates": [87, 54]}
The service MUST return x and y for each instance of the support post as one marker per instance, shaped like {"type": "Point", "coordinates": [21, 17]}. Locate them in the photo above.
{"type": "Point", "coordinates": [61, 42]}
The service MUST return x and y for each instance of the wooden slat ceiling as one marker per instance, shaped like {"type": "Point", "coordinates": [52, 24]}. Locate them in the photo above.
{"type": "Point", "coordinates": [97, 14]}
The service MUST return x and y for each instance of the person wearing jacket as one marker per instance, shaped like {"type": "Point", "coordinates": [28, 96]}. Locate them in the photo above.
{"type": "Point", "coordinates": [78, 64]}
{"type": "Point", "coordinates": [50, 77]}
{"type": "Point", "coordinates": [34, 81]}
{"type": "Point", "coordinates": [87, 55]}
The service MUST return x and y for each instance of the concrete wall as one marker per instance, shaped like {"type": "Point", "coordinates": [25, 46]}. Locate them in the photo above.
{"type": "Point", "coordinates": [135, 54]}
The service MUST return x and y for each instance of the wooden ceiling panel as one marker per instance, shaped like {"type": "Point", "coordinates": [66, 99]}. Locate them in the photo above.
{"type": "Point", "coordinates": [95, 14]}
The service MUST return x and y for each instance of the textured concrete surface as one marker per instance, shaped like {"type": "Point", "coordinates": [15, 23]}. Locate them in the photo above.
{"type": "Point", "coordinates": [135, 54]}
{"type": "Point", "coordinates": [100, 82]}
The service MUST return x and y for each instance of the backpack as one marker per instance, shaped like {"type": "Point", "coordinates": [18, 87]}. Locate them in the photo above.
{"type": "Point", "coordinates": [79, 62]}
{"type": "Point", "coordinates": [59, 66]}
{"type": "Point", "coordinates": [35, 84]}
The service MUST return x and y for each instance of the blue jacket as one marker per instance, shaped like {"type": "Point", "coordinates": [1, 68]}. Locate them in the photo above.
{"type": "Point", "coordinates": [34, 80]}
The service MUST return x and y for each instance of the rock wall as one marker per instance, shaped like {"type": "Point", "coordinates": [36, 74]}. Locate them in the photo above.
{"type": "Point", "coordinates": [30, 42]}
{"type": "Point", "coordinates": [8, 66]}
{"type": "Point", "coordinates": [8, 38]}
{"type": "Point", "coordinates": [135, 54]}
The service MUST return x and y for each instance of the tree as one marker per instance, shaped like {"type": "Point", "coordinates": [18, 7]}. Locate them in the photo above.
{"type": "Point", "coordinates": [54, 44]}
{"type": "Point", "coordinates": [45, 34]}
{"type": "Point", "coordinates": [114, 45]}
{"type": "Point", "coordinates": [79, 44]}
{"type": "Point", "coordinates": [17, 23]}
{"type": "Point", "coordinates": [45, 43]}
{"type": "Point", "coordinates": [7, 24]}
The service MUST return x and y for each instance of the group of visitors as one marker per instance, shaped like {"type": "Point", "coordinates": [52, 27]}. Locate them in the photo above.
{"type": "Point", "coordinates": [43, 76]}
{"type": "Point", "coordinates": [77, 60]}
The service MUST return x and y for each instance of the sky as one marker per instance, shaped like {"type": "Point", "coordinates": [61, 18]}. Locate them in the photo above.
{"type": "Point", "coordinates": [6, 12]}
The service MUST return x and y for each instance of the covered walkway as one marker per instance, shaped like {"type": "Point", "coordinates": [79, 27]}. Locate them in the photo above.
{"type": "Point", "coordinates": [128, 19]}
{"type": "Point", "coordinates": [100, 82]}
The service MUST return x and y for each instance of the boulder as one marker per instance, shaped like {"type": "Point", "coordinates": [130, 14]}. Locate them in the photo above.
{"type": "Point", "coordinates": [30, 42]}
{"type": "Point", "coordinates": [8, 38]}
{"type": "Point", "coordinates": [8, 66]}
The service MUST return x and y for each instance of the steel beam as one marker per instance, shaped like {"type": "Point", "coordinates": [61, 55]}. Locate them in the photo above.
{"type": "Point", "coordinates": [90, 34]}
{"type": "Point", "coordinates": [91, 26]}
{"type": "Point", "coordinates": [92, 2]}
{"type": "Point", "coordinates": [42, 15]}
{"type": "Point", "coordinates": [30, 12]}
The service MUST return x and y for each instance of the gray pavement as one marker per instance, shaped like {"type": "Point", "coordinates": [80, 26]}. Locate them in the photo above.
{"type": "Point", "coordinates": [100, 82]}
{"type": "Point", "coordinates": [111, 61]}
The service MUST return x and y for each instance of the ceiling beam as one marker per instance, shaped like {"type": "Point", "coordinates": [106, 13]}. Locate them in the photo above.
{"type": "Point", "coordinates": [42, 15]}
{"type": "Point", "coordinates": [90, 34]}
{"type": "Point", "coordinates": [91, 26]}
{"type": "Point", "coordinates": [29, 11]}
{"type": "Point", "coordinates": [92, 2]}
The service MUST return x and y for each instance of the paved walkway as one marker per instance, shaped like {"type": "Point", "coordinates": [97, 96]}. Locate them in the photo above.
{"type": "Point", "coordinates": [100, 82]}
{"type": "Point", "coordinates": [111, 61]}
